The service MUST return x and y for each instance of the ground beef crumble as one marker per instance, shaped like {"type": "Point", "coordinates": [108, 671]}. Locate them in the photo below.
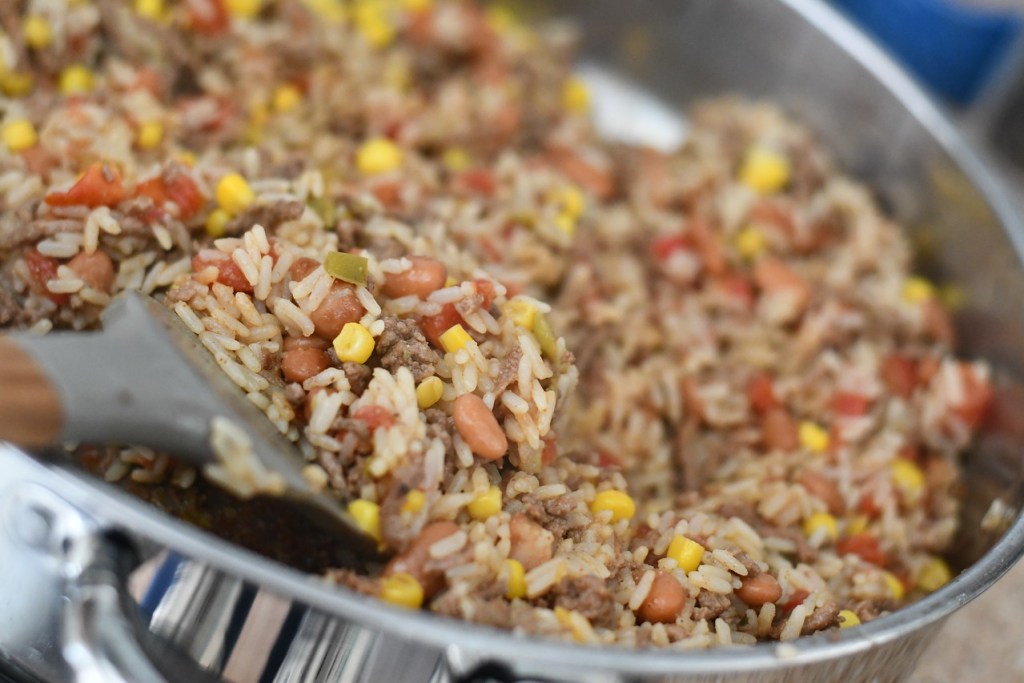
{"type": "Point", "coordinates": [402, 344]}
{"type": "Point", "coordinates": [587, 595]}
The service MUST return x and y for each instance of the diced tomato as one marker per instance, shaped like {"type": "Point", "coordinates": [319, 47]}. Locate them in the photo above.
{"type": "Point", "coordinates": [228, 272]}
{"type": "Point", "coordinates": [864, 545]}
{"type": "Point", "coordinates": [478, 180]}
{"type": "Point", "coordinates": [739, 287]}
{"type": "Point", "coordinates": [761, 394]}
{"type": "Point", "coordinates": [797, 598]}
{"type": "Point", "coordinates": [849, 404]}
{"type": "Point", "coordinates": [666, 245]}
{"type": "Point", "coordinates": [184, 192]}
{"type": "Point", "coordinates": [434, 326]}
{"type": "Point", "coordinates": [152, 188]}
{"type": "Point", "coordinates": [209, 17]}
{"type": "Point", "coordinates": [550, 451]}
{"type": "Point", "coordinates": [900, 375]}
{"type": "Point", "coordinates": [977, 397]}
{"type": "Point", "coordinates": [375, 417]}
{"type": "Point", "coordinates": [100, 185]}
{"type": "Point", "coordinates": [485, 288]}
{"type": "Point", "coordinates": [607, 461]}
{"type": "Point", "coordinates": [44, 268]}
{"type": "Point", "coordinates": [869, 506]}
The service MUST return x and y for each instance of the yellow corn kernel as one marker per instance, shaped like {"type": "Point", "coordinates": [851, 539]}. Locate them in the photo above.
{"type": "Point", "coordinates": [216, 222]}
{"type": "Point", "coordinates": [522, 313]}
{"type": "Point", "coordinates": [848, 619]}
{"type": "Point", "coordinates": [450, 281]}
{"type": "Point", "coordinates": [570, 200]}
{"type": "Point", "coordinates": [354, 343]}
{"type": "Point", "coordinates": [486, 504]}
{"type": "Point", "coordinates": [151, 134]}
{"type": "Point", "coordinates": [19, 135]}
{"type": "Point", "coordinates": [821, 520]}
{"type": "Point", "coordinates": [38, 32]}
{"type": "Point", "coordinates": [565, 224]}
{"type": "Point", "coordinates": [373, 24]}
{"type": "Point", "coordinates": [377, 156]}
{"type": "Point", "coordinates": [455, 338]}
{"type": "Point", "coordinates": [233, 193]}
{"type": "Point", "coordinates": [501, 18]}
{"type": "Point", "coordinates": [402, 589]}
{"type": "Point", "coordinates": [329, 10]}
{"type": "Point", "coordinates": [417, 5]}
{"type": "Point", "coordinates": [429, 392]}
{"type": "Point", "coordinates": [575, 95]}
{"type": "Point", "coordinates": [286, 98]}
{"type": "Point", "coordinates": [366, 515]}
{"type": "Point", "coordinates": [856, 524]}
{"type": "Point", "coordinates": [813, 437]}
{"type": "Point", "coordinates": [933, 575]}
{"type": "Point", "coordinates": [455, 159]}
{"type": "Point", "coordinates": [76, 80]}
{"type": "Point", "coordinates": [244, 9]}
{"type": "Point", "coordinates": [15, 83]}
{"type": "Point", "coordinates": [907, 477]}
{"type": "Point", "coordinates": [750, 242]}
{"type": "Point", "coordinates": [917, 290]}
{"type": "Point", "coordinates": [686, 552]}
{"type": "Point", "coordinates": [568, 620]}
{"type": "Point", "coordinates": [516, 580]}
{"type": "Point", "coordinates": [620, 504]}
{"type": "Point", "coordinates": [894, 585]}
{"type": "Point", "coordinates": [764, 170]}
{"type": "Point", "coordinates": [187, 157]}
{"type": "Point", "coordinates": [150, 9]}
{"type": "Point", "coordinates": [414, 502]}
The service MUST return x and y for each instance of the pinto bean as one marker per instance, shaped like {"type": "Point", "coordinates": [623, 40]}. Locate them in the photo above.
{"type": "Point", "coordinates": [415, 560]}
{"type": "Point", "coordinates": [96, 269]}
{"type": "Point", "coordinates": [478, 427]}
{"type": "Point", "coordinates": [531, 543]}
{"type": "Point", "coordinates": [302, 267]}
{"type": "Point", "coordinates": [292, 343]}
{"type": "Point", "coordinates": [779, 430]}
{"type": "Point", "coordinates": [666, 597]}
{"type": "Point", "coordinates": [340, 306]}
{"type": "Point", "coordinates": [824, 489]}
{"type": "Point", "coordinates": [298, 365]}
{"type": "Point", "coordinates": [757, 590]}
{"type": "Point", "coordinates": [427, 275]}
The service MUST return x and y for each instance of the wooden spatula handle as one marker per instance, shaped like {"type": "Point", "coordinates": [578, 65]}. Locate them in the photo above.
{"type": "Point", "coordinates": [30, 409]}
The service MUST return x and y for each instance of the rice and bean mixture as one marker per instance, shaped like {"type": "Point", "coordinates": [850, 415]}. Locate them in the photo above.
{"type": "Point", "coordinates": [599, 393]}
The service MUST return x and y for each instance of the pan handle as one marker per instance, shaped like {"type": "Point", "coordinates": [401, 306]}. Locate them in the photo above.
{"type": "Point", "coordinates": [74, 618]}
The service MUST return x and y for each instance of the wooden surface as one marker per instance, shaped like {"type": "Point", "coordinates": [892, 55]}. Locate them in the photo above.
{"type": "Point", "coordinates": [30, 412]}
{"type": "Point", "coordinates": [981, 642]}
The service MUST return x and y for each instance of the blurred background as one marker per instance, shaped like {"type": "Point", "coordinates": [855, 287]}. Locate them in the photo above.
{"type": "Point", "coordinates": [970, 54]}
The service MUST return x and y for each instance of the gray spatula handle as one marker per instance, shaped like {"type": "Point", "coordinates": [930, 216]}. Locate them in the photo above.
{"type": "Point", "coordinates": [30, 407]}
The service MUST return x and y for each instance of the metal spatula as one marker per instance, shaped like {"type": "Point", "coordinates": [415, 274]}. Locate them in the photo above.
{"type": "Point", "coordinates": [145, 380]}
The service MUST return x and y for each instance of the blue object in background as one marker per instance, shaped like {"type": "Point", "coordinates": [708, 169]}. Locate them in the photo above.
{"type": "Point", "coordinates": [951, 46]}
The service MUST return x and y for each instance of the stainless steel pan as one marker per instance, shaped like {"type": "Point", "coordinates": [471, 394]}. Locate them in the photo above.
{"type": "Point", "coordinates": [63, 536]}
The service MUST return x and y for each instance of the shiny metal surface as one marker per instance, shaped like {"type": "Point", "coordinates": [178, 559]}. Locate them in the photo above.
{"type": "Point", "coordinates": [881, 128]}
{"type": "Point", "coordinates": [145, 379]}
